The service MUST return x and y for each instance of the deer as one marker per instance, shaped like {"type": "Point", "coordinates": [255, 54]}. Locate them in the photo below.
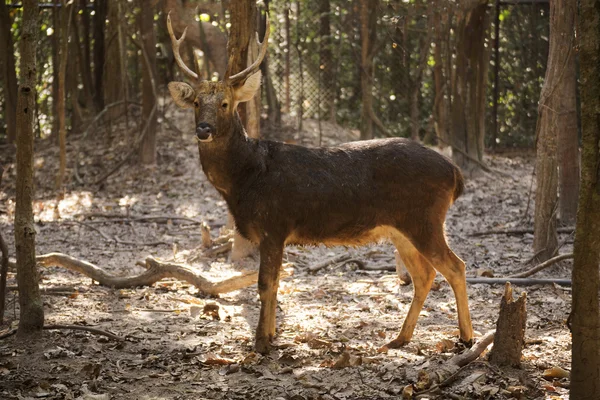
{"type": "Point", "coordinates": [352, 194]}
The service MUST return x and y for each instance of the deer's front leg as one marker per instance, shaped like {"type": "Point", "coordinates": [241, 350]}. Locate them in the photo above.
{"type": "Point", "coordinates": [271, 255]}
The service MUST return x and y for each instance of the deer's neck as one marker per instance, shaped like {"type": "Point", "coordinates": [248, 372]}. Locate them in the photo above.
{"type": "Point", "coordinates": [229, 163]}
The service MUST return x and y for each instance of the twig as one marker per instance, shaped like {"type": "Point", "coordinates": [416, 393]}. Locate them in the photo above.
{"type": "Point", "coordinates": [8, 334]}
{"type": "Point", "coordinates": [465, 358]}
{"type": "Point", "coordinates": [519, 281]}
{"type": "Point", "coordinates": [543, 265]}
{"type": "Point", "coordinates": [218, 249]}
{"type": "Point", "coordinates": [134, 148]}
{"type": "Point", "coordinates": [318, 266]}
{"type": "Point", "coordinates": [125, 218]}
{"type": "Point", "coordinates": [116, 239]}
{"type": "Point", "coordinates": [518, 231]}
{"type": "Point", "coordinates": [87, 329]}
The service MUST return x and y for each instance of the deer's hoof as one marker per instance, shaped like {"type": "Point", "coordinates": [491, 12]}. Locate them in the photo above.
{"type": "Point", "coordinates": [394, 344]}
{"type": "Point", "coordinates": [262, 345]}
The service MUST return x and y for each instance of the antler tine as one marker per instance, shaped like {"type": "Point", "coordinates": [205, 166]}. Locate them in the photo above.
{"type": "Point", "coordinates": [176, 43]}
{"type": "Point", "coordinates": [242, 76]}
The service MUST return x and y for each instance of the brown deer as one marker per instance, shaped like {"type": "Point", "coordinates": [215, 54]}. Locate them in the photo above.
{"type": "Point", "coordinates": [351, 194]}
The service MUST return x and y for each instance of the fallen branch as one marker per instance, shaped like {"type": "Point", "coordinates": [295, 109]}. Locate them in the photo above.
{"type": "Point", "coordinates": [519, 281]}
{"type": "Point", "coordinates": [156, 270]}
{"type": "Point", "coordinates": [72, 327]}
{"type": "Point", "coordinates": [521, 231]}
{"type": "Point", "coordinates": [318, 266]}
{"type": "Point", "coordinates": [457, 364]}
{"type": "Point", "coordinates": [86, 329]}
{"type": "Point", "coordinates": [542, 266]}
{"type": "Point", "coordinates": [116, 239]}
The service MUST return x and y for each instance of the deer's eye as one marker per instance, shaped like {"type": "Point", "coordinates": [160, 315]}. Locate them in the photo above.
{"type": "Point", "coordinates": [224, 105]}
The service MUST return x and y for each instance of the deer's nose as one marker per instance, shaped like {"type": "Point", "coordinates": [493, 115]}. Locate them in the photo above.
{"type": "Point", "coordinates": [204, 131]}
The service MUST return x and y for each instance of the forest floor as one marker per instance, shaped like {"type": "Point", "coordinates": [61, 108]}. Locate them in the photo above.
{"type": "Point", "coordinates": [178, 348]}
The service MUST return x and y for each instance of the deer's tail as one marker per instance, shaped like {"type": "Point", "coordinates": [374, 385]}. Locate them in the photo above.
{"type": "Point", "coordinates": [459, 183]}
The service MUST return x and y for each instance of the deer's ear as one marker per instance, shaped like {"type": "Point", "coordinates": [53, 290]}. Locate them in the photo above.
{"type": "Point", "coordinates": [247, 91]}
{"type": "Point", "coordinates": [182, 93]}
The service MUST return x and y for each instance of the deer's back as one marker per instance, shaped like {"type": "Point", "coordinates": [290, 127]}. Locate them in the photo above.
{"type": "Point", "coordinates": [348, 194]}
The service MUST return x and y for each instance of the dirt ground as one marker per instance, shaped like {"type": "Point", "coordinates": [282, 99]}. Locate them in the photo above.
{"type": "Point", "coordinates": [330, 323]}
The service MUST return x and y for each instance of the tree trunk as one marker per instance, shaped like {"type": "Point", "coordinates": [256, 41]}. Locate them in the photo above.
{"type": "Point", "coordinates": [148, 145]}
{"type": "Point", "coordinates": [288, 38]}
{"type": "Point", "coordinates": [65, 26]}
{"type": "Point", "coordinates": [99, 48]}
{"type": "Point", "coordinates": [113, 81]}
{"type": "Point", "coordinates": [274, 107]}
{"type": "Point", "coordinates": [568, 140]}
{"type": "Point", "coordinates": [83, 53]}
{"type": "Point", "coordinates": [468, 86]}
{"type": "Point", "coordinates": [556, 112]}
{"type": "Point", "coordinates": [9, 75]}
{"type": "Point", "coordinates": [368, 23]}
{"type": "Point", "coordinates": [30, 302]}
{"type": "Point", "coordinates": [241, 48]}
{"type": "Point", "coordinates": [326, 60]}
{"type": "Point", "coordinates": [509, 338]}
{"type": "Point", "coordinates": [441, 106]}
{"type": "Point", "coordinates": [585, 315]}
{"type": "Point", "coordinates": [183, 16]}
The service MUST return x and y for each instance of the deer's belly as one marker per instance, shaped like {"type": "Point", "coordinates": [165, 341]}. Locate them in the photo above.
{"type": "Point", "coordinates": [344, 237]}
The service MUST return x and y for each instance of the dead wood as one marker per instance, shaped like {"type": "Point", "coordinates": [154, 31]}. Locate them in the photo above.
{"type": "Point", "coordinates": [509, 338]}
{"type": "Point", "coordinates": [116, 239]}
{"type": "Point", "coordinates": [156, 270]}
{"type": "Point", "coordinates": [223, 248]}
{"type": "Point", "coordinates": [519, 231]}
{"type": "Point", "coordinates": [542, 266]}
{"type": "Point", "coordinates": [519, 281]}
{"type": "Point", "coordinates": [318, 266]}
{"type": "Point", "coordinates": [72, 327]}
{"type": "Point", "coordinates": [451, 369]}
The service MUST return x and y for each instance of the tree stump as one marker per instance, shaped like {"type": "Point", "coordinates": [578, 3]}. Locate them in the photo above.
{"type": "Point", "coordinates": [510, 330]}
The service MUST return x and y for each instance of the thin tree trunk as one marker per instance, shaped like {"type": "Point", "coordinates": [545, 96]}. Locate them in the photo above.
{"type": "Point", "coordinates": [113, 81]}
{"type": "Point", "coordinates": [555, 112]}
{"type": "Point", "coordinates": [368, 9]}
{"type": "Point", "coordinates": [288, 38]}
{"type": "Point", "coordinates": [83, 53]}
{"type": "Point", "coordinates": [240, 47]}
{"type": "Point", "coordinates": [148, 145]}
{"type": "Point", "coordinates": [326, 59]}
{"type": "Point", "coordinates": [9, 75]}
{"type": "Point", "coordinates": [585, 314]}
{"type": "Point", "coordinates": [60, 108]}
{"type": "Point", "coordinates": [30, 302]}
{"type": "Point", "coordinates": [468, 86]}
{"type": "Point", "coordinates": [568, 140]}
{"type": "Point", "coordinates": [99, 49]}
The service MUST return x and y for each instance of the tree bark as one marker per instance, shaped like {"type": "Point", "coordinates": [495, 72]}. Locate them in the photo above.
{"type": "Point", "coordinates": [368, 34]}
{"type": "Point", "coordinates": [509, 338]}
{"type": "Point", "coordinates": [148, 145]}
{"type": "Point", "coordinates": [556, 112]}
{"type": "Point", "coordinates": [113, 81]}
{"type": "Point", "coordinates": [30, 303]}
{"type": "Point", "coordinates": [326, 60]}
{"type": "Point", "coordinates": [241, 48]}
{"type": "Point", "coordinates": [65, 26]}
{"type": "Point", "coordinates": [468, 88]}
{"type": "Point", "coordinates": [585, 315]}
{"type": "Point", "coordinates": [9, 75]}
{"type": "Point", "coordinates": [99, 48]}
{"type": "Point", "coordinates": [183, 16]}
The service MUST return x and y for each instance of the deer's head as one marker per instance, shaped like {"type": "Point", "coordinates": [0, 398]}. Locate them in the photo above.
{"type": "Point", "coordinates": [215, 103]}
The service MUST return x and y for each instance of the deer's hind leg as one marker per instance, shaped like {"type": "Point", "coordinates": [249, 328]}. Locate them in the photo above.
{"type": "Point", "coordinates": [422, 274]}
{"type": "Point", "coordinates": [431, 243]}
